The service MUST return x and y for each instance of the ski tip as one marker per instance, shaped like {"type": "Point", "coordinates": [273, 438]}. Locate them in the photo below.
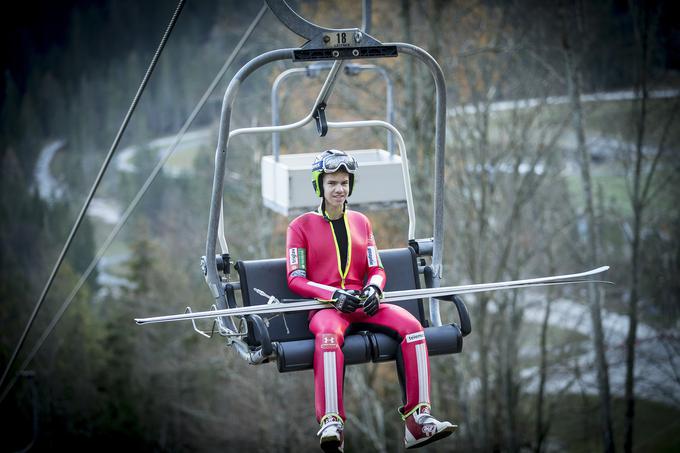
{"type": "Point", "coordinates": [600, 269]}
{"type": "Point", "coordinates": [600, 282]}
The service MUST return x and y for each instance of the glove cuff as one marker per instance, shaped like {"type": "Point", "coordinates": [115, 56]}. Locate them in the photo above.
{"type": "Point", "coordinates": [377, 289]}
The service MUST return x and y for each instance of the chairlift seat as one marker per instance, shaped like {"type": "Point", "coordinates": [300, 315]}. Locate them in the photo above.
{"type": "Point", "coordinates": [294, 342]}
{"type": "Point", "coordinates": [286, 183]}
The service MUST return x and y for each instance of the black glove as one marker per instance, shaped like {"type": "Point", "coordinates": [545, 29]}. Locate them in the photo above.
{"type": "Point", "coordinates": [371, 296]}
{"type": "Point", "coordinates": [346, 301]}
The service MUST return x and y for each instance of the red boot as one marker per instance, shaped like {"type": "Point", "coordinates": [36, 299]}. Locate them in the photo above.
{"type": "Point", "coordinates": [422, 428]}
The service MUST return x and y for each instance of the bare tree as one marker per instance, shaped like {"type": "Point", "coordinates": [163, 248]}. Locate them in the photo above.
{"type": "Point", "coordinates": [642, 174]}
{"type": "Point", "coordinates": [572, 32]}
{"type": "Point", "coordinates": [541, 426]}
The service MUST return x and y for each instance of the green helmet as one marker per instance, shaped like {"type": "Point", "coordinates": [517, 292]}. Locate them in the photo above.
{"type": "Point", "coordinates": [331, 161]}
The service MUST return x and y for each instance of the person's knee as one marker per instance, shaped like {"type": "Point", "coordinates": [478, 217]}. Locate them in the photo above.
{"type": "Point", "coordinates": [407, 323]}
{"type": "Point", "coordinates": [323, 323]}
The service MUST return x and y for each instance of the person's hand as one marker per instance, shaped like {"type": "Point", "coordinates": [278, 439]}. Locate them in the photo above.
{"type": "Point", "coordinates": [346, 301]}
{"type": "Point", "coordinates": [371, 296]}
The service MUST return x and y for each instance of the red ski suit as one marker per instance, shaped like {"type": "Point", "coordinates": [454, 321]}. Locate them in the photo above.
{"type": "Point", "coordinates": [313, 267]}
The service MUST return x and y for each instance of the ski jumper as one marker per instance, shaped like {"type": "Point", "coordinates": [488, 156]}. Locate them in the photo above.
{"type": "Point", "coordinates": [314, 270]}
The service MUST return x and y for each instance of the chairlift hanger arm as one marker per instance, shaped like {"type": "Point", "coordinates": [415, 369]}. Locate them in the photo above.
{"type": "Point", "coordinates": [329, 43]}
{"type": "Point", "coordinates": [306, 29]}
{"type": "Point", "coordinates": [296, 23]}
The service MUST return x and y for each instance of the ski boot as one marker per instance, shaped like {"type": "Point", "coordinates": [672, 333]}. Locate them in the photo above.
{"type": "Point", "coordinates": [332, 437]}
{"type": "Point", "coordinates": [422, 428]}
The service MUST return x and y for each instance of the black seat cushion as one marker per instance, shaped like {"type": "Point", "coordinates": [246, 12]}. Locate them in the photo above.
{"type": "Point", "coordinates": [364, 347]}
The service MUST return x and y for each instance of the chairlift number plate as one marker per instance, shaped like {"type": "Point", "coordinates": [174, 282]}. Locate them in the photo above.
{"type": "Point", "coordinates": [339, 39]}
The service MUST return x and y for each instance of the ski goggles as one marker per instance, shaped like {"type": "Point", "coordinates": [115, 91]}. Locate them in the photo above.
{"type": "Point", "coordinates": [332, 163]}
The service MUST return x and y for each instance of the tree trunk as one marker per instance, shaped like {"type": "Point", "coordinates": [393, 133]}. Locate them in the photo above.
{"type": "Point", "coordinates": [574, 76]}
{"type": "Point", "coordinates": [637, 205]}
{"type": "Point", "coordinates": [510, 331]}
{"type": "Point", "coordinates": [541, 428]}
{"type": "Point", "coordinates": [484, 374]}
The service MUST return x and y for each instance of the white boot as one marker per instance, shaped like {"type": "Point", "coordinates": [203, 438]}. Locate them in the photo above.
{"type": "Point", "coordinates": [422, 428]}
{"type": "Point", "coordinates": [332, 437]}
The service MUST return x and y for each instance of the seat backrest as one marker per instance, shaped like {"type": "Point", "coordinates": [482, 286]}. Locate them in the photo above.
{"type": "Point", "coordinates": [269, 275]}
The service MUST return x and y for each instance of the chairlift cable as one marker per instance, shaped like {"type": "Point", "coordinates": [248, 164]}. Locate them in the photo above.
{"type": "Point", "coordinates": [94, 187]}
{"type": "Point", "coordinates": [133, 204]}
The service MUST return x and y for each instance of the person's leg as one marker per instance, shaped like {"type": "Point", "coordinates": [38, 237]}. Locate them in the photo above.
{"type": "Point", "coordinates": [328, 327]}
{"type": "Point", "coordinates": [414, 366]}
{"type": "Point", "coordinates": [414, 359]}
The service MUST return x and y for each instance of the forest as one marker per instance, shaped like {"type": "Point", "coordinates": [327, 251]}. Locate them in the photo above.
{"type": "Point", "coordinates": [562, 154]}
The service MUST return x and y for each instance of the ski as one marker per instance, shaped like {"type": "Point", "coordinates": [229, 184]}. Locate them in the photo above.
{"type": "Point", "coordinates": [275, 306]}
{"type": "Point", "coordinates": [463, 289]}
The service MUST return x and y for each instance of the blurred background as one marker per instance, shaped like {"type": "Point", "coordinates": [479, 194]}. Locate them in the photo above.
{"type": "Point", "coordinates": [562, 152]}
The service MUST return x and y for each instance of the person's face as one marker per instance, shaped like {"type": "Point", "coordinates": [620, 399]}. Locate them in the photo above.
{"type": "Point", "coordinates": [335, 189]}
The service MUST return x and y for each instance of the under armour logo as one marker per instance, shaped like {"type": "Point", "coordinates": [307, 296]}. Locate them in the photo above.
{"type": "Point", "coordinates": [328, 341]}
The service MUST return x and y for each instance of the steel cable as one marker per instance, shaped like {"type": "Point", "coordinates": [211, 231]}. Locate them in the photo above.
{"type": "Point", "coordinates": [133, 204]}
{"type": "Point", "coordinates": [93, 189]}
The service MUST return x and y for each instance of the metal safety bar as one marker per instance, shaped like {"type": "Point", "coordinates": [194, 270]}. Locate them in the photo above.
{"type": "Point", "coordinates": [404, 163]}
{"type": "Point", "coordinates": [275, 104]}
{"type": "Point", "coordinates": [343, 125]}
{"type": "Point", "coordinates": [352, 69]}
{"type": "Point", "coordinates": [314, 70]}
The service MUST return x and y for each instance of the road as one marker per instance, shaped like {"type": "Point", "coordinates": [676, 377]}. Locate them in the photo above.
{"type": "Point", "coordinates": [101, 210]}
{"type": "Point", "coordinates": [655, 368]}
{"type": "Point", "coordinates": [48, 186]}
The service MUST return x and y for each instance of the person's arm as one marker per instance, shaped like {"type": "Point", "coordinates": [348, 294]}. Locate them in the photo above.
{"type": "Point", "coordinates": [296, 268]}
{"type": "Point", "coordinates": [376, 278]}
{"type": "Point", "coordinates": [376, 274]}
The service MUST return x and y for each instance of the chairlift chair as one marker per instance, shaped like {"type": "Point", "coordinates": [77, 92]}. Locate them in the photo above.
{"type": "Point", "coordinates": [287, 339]}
